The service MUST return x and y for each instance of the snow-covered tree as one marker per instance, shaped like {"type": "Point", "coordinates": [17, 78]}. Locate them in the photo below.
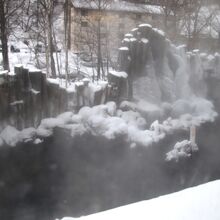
{"type": "Point", "coordinates": [96, 35]}
{"type": "Point", "coordinates": [9, 14]}
{"type": "Point", "coordinates": [197, 18]}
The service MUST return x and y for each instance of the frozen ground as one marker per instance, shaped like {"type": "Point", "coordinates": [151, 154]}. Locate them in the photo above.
{"type": "Point", "coordinates": [27, 58]}
{"type": "Point", "coordinates": [197, 203]}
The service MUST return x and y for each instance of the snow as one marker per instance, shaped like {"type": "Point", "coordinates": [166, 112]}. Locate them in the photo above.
{"type": "Point", "coordinates": [88, 89]}
{"type": "Point", "coordinates": [111, 108]}
{"type": "Point", "coordinates": [133, 39]}
{"type": "Point", "coordinates": [133, 118]}
{"type": "Point", "coordinates": [126, 39]}
{"type": "Point", "coordinates": [66, 117]}
{"type": "Point", "coordinates": [44, 133]}
{"type": "Point", "coordinates": [47, 125]}
{"type": "Point", "coordinates": [144, 40]}
{"type": "Point", "coordinates": [18, 102]}
{"type": "Point", "coordinates": [127, 122]}
{"type": "Point", "coordinates": [77, 130]}
{"type": "Point", "coordinates": [27, 134]}
{"type": "Point", "coordinates": [54, 81]}
{"type": "Point", "coordinates": [10, 136]}
{"type": "Point", "coordinates": [158, 31]}
{"type": "Point", "coordinates": [99, 122]}
{"type": "Point", "coordinates": [129, 35]}
{"type": "Point", "coordinates": [118, 74]}
{"type": "Point", "coordinates": [181, 149]}
{"type": "Point", "coordinates": [37, 141]}
{"type": "Point", "coordinates": [4, 72]}
{"type": "Point", "coordinates": [204, 109]}
{"type": "Point", "coordinates": [119, 6]}
{"type": "Point", "coordinates": [50, 123]}
{"type": "Point", "coordinates": [197, 203]}
{"type": "Point", "coordinates": [136, 123]}
{"type": "Point", "coordinates": [126, 105]}
{"type": "Point", "coordinates": [35, 92]}
{"type": "Point", "coordinates": [124, 48]}
{"type": "Point", "coordinates": [145, 25]}
{"type": "Point", "coordinates": [28, 60]}
{"type": "Point", "coordinates": [134, 29]}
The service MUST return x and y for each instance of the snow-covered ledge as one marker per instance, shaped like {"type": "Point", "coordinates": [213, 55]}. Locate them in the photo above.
{"type": "Point", "coordinates": [197, 203]}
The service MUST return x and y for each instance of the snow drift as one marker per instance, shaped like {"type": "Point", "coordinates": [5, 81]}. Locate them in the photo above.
{"type": "Point", "coordinates": [197, 203]}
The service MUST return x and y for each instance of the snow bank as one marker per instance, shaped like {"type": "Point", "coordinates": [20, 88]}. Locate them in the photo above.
{"type": "Point", "coordinates": [197, 203]}
{"type": "Point", "coordinates": [132, 122]}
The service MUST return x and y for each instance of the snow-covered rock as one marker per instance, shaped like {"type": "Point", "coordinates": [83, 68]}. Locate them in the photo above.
{"type": "Point", "coordinates": [130, 122]}
{"type": "Point", "coordinates": [181, 149]}
{"type": "Point", "coordinates": [134, 118]}
{"type": "Point", "coordinates": [10, 136]}
{"type": "Point", "coordinates": [50, 123]}
{"type": "Point", "coordinates": [196, 203]}
{"type": "Point", "coordinates": [66, 117]}
{"type": "Point", "coordinates": [27, 134]}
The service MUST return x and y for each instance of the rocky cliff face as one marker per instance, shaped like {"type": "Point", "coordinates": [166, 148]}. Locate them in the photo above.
{"type": "Point", "coordinates": [159, 71]}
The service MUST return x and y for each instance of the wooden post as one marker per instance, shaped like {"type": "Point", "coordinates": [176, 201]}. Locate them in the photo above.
{"type": "Point", "coordinates": [193, 134]}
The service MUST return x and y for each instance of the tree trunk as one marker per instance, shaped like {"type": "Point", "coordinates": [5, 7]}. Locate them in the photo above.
{"type": "Point", "coordinates": [67, 32]}
{"type": "Point", "coordinates": [4, 37]}
{"type": "Point", "coordinates": [52, 63]}
{"type": "Point", "coordinates": [99, 50]}
{"type": "Point", "coordinates": [50, 45]}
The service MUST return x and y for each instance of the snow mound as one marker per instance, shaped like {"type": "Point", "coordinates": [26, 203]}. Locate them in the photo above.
{"type": "Point", "coordinates": [136, 123]}
{"type": "Point", "coordinates": [66, 117]}
{"type": "Point", "coordinates": [27, 134]}
{"type": "Point", "coordinates": [10, 136]}
{"type": "Point", "coordinates": [196, 203]}
{"type": "Point", "coordinates": [183, 149]}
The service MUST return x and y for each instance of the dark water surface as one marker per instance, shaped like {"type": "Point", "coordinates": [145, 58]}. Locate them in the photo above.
{"type": "Point", "coordinates": [66, 177]}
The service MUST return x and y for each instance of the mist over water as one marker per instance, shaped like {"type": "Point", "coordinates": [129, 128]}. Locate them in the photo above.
{"type": "Point", "coordinates": [74, 177]}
